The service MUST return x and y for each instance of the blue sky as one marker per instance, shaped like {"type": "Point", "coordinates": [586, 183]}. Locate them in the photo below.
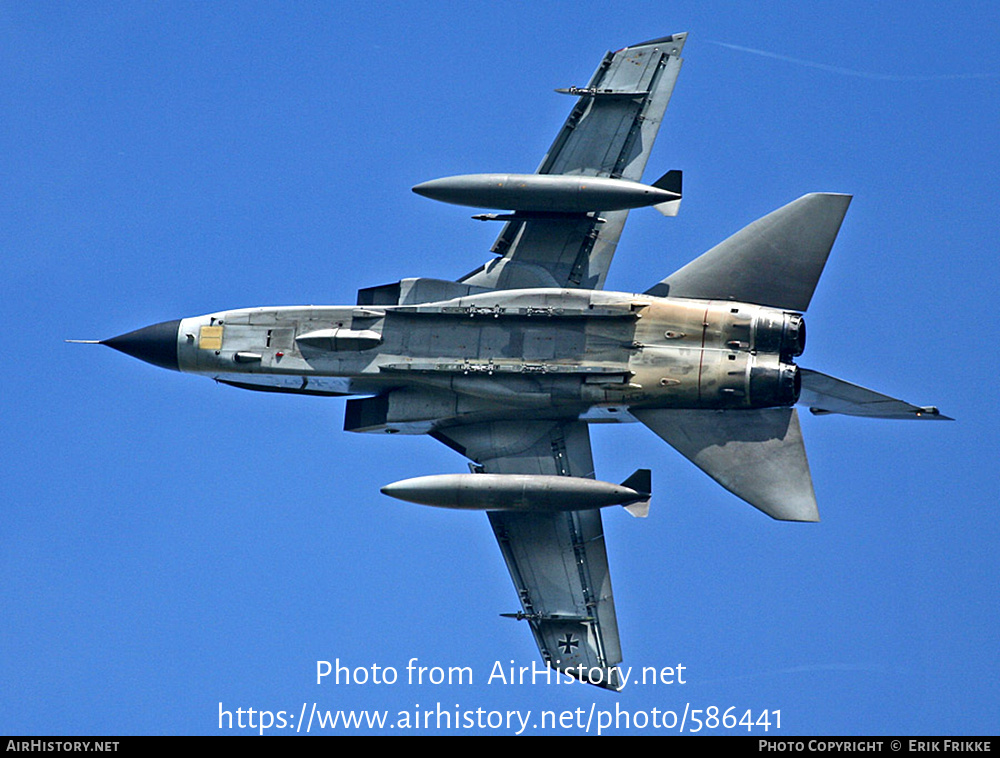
{"type": "Point", "coordinates": [169, 545]}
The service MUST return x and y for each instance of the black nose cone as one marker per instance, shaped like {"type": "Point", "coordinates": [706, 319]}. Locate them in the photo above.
{"type": "Point", "coordinates": [156, 344]}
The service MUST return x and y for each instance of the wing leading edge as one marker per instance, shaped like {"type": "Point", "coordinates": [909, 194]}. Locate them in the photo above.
{"type": "Point", "coordinates": [556, 559]}
{"type": "Point", "coordinates": [609, 133]}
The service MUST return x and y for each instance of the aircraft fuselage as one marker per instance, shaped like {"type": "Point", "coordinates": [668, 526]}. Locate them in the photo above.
{"type": "Point", "coordinates": [558, 351]}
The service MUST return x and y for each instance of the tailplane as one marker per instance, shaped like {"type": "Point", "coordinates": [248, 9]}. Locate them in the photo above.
{"type": "Point", "coordinates": [757, 455]}
{"type": "Point", "coordinates": [775, 261]}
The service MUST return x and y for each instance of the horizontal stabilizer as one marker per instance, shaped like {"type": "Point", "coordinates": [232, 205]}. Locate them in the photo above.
{"type": "Point", "coordinates": [757, 455]}
{"type": "Point", "coordinates": [825, 394]}
{"type": "Point", "coordinates": [776, 261]}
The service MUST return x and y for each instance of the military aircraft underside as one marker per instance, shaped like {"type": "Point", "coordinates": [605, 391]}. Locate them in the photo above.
{"type": "Point", "coordinates": [510, 363]}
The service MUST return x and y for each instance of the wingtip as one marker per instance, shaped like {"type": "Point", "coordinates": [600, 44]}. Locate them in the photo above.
{"type": "Point", "coordinates": [931, 413]}
{"type": "Point", "coordinates": [678, 39]}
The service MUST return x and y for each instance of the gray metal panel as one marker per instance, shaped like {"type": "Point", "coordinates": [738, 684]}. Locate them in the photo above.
{"type": "Point", "coordinates": [758, 455]}
{"type": "Point", "coordinates": [560, 569]}
{"type": "Point", "coordinates": [826, 394]}
{"type": "Point", "coordinates": [605, 135]}
{"type": "Point", "coordinates": [557, 560]}
{"type": "Point", "coordinates": [776, 261]}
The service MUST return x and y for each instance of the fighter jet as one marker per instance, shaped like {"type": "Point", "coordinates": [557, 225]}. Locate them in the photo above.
{"type": "Point", "coordinates": [510, 363]}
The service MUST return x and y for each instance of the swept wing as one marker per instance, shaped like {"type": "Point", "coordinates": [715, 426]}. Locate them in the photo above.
{"type": "Point", "coordinates": [609, 133]}
{"type": "Point", "coordinates": [557, 559]}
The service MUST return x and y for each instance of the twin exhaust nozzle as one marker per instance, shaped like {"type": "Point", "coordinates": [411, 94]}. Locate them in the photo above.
{"type": "Point", "coordinates": [524, 492]}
